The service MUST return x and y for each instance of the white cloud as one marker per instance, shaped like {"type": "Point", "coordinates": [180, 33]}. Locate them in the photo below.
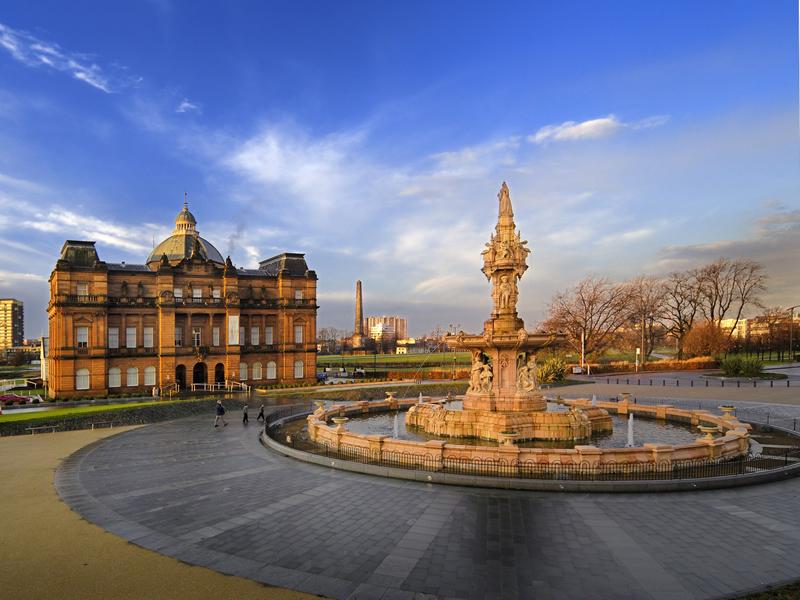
{"type": "Point", "coordinates": [187, 106]}
{"type": "Point", "coordinates": [592, 129]}
{"type": "Point", "coordinates": [33, 52]}
{"type": "Point", "coordinates": [10, 276]}
{"type": "Point", "coordinates": [626, 237]}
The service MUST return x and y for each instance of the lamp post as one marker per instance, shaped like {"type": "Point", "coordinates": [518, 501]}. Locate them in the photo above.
{"type": "Point", "coordinates": [791, 330]}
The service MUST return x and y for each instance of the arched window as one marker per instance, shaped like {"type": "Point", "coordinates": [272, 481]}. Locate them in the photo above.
{"type": "Point", "coordinates": [149, 375]}
{"type": "Point", "coordinates": [242, 371]}
{"type": "Point", "coordinates": [114, 377]}
{"type": "Point", "coordinates": [298, 369]}
{"type": "Point", "coordinates": [272, 370]}
{"type": "Point", "coordinates": [132, 377]}
{"type": "Point", "coordinates": [257, 370]}
{"type": "Point", "coordinates": [82, 379]}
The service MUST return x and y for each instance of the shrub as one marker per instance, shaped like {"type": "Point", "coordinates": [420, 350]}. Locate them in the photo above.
{"type": "Point", "coordinates": [551, 370]}
{"type": "Point", "coordinates": [738, 366]}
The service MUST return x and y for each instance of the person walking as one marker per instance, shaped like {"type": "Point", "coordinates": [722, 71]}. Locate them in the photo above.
{"type": "Point", "coordinates": [261, 416]}
{"type": "Point", "coordinates": [245, 419]}
{"type": "Point", "coordinates": [220, 415]}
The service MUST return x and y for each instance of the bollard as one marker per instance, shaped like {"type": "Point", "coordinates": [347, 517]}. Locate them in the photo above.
{"type": "Point", "coordinates": [638, 382]}
{"type": "Point", "coordinates": [608, 380]}
{"type": "Point", "coordinates": [706, 382]}
{"type": "Point", "coordinates": [627, 382]}
{"type": "Point", "coordinates": [691, 383]}
{"type": "Point", "coordinates": [770, 383]}
{"type": "Point", "coordinates": [651, 383]}
{"type": "Point", "coordinates": [754, 383]}
{"type": "Point", "coordinates": [617, 380]}
{"type": "Point", "coordinates": [738, 383]}
{"type": "Point", "coordinates": [663, 382]}
{"type": "Point", "coordinates": [677, 383]}
{"type": "Point", "coordinates": [723, 383]}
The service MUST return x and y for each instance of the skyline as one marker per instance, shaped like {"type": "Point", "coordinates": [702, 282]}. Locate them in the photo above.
{"type": "Point", "coordinates": [374, 139]}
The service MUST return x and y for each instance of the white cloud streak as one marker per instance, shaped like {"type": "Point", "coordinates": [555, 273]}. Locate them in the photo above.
{"type": "Point", "coordinates": [187, 106]}
{"type": "Point", "coordinates": [33, 52]}
{"type": "Point", "coordinates": [592, 129]}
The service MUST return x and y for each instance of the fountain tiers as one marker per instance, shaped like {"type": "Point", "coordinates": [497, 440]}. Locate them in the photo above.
{"type": "Point", "coordinates": [504, 396]}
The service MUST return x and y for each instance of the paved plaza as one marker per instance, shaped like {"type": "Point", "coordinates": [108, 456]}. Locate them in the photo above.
{"type": "Point", "coordinates": [217, 498]}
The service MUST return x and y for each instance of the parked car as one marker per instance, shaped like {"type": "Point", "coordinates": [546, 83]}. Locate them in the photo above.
{"type": "Point", "coordinates": [10, 399]}
{"type": "Point", "coordinates": [322, 377]}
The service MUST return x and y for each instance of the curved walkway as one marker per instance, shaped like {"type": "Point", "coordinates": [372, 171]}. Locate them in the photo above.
{"type": "Point", "coordinates": [215, 497]}
{"type": "Point", "coordinates": [49, 552]}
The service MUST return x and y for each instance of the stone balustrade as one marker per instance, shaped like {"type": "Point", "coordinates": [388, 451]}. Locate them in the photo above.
{"type": "Point", "coordinates": [733, 442]}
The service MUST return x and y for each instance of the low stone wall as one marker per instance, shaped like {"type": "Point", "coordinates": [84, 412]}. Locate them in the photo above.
{"type": "Point", "coordinates": [153, 413]}
{"type": "Point", "coordinates": [733, 443]}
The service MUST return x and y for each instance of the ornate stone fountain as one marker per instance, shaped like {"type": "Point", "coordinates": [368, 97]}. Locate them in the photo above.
{"type": "Point", "coordinates": [504, 399]}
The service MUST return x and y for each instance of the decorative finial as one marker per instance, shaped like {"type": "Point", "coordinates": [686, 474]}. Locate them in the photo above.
{"type": "Point", "coordinates": [186, 200]}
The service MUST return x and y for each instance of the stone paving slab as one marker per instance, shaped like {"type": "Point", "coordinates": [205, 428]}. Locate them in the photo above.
{"type": "Point", "coordinates": [216, 498]}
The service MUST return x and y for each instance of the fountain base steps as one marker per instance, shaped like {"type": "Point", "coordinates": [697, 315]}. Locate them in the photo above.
{"type": "Point", "coordinates": [575, 424]}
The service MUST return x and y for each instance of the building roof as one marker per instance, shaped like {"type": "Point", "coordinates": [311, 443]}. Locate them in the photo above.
{"type": "Point", "coordinates": [185, 242]}
{"type": "Point", "coordinates": [292, 262]}
{"type": "Point", "coordinates": [179, 246]}
{"type": "Point", "coordinates": [127, 267]}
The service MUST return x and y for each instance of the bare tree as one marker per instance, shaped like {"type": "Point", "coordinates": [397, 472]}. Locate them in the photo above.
{"type": "Point", "coordinates": [595, 309]}
{"type": "Point", "coordinates": [681, 305]}
{"type": "Point", "coordinates": [727, 287]}
{"type": "Point", "coordinates": [647, 309]}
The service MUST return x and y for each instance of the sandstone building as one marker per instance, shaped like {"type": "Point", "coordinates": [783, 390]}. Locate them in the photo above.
{"type": "Point", "coordinates": [185, 316]}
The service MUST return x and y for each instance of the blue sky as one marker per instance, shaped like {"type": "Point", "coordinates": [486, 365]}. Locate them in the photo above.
{"type": "Point", "coordinates": [636, 137]}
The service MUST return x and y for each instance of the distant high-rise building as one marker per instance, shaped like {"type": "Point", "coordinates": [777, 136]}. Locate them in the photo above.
{"type": "Point", "coordinates": [12, 326]}
{"type": "Point", "coordinates": [399, 325]}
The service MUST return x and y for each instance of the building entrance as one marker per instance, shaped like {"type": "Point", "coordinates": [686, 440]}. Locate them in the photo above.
{"type": "Point", "coordinates": [180, 376]}
{"type": "Point", "coordinates": [200, 373]}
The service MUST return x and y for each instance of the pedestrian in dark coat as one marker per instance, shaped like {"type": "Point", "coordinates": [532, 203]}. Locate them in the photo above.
{"type": "Point", "coordinates": [220, 415]}
{"type": "Point", "coordinates": [261, 416]}
{"type": "Point", "coordinates": [245, 420]}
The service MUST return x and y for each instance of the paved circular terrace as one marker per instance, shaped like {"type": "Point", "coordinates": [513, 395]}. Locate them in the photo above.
{"type": "Point", "coordinates": [217, 498]}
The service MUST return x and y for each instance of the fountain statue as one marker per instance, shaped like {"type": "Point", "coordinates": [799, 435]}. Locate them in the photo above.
{"type": "Point", "coordinates": [504, 393]}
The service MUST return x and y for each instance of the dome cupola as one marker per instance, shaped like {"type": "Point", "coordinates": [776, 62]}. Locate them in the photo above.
{"type": "Point", "coordinates": [185, 242]}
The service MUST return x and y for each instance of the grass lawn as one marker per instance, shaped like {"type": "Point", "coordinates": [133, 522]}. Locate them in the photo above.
{"type": "Point", "coordinates": [340, 360]}
{"type": "Point", "coordinates": [79, 410]}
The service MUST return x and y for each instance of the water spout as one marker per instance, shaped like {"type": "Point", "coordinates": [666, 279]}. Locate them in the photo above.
{"type": "Point", "coordinates": [396, 427]}
{"type": "Point", "coordinates": [420, 398]}
{"type": "Point", "coordinates": [630, 431]}
{"type": "Point", "coordinates": [594, 400]}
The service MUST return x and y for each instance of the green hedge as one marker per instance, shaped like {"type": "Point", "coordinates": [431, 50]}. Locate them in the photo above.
{"type": "Point", "coordinates": [741, 366]}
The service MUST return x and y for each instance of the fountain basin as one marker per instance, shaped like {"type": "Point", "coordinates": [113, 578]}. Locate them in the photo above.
{"type": "Point", "coordinates": [733, 441]}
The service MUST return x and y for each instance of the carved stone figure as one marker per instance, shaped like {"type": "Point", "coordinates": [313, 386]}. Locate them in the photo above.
{"type": "Point", "coordinates": [486, 378]}
{"type": "Point", "coordinates": [475, 373]}
{"type": "Point", "coordinates": [505, 201]}
{"type": "Point", "coordinates": [526, 373]}
{"type": "Point", "coordinates": [505, 292]}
